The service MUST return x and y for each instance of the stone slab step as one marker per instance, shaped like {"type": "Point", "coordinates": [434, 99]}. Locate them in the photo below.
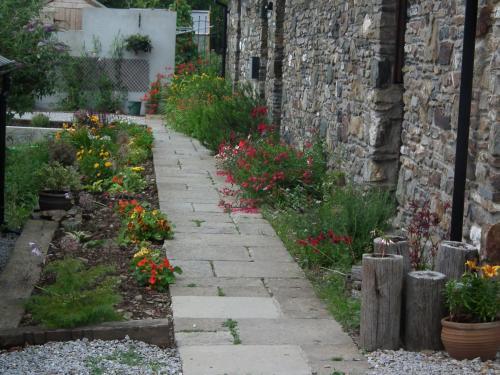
{"type": "Point", "coordinates": [225, 307]}
{"type": "Point", "coordinates": [244, 360]}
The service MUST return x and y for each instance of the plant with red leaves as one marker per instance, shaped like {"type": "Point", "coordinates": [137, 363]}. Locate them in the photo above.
{"type": "Point", "coordinates": [153, 96]}
{"type": "Point", "coordinates": [326, 248]}
{"type": "Point", "coordinates": [422, 234]}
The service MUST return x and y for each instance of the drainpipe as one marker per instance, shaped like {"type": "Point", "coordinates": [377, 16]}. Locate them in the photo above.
{"type": "Point", "coordinates": [457, 214]}
{"type": "Point", "coordinates": [3, 124]}
{"type": "Point", "coordinates": [224, 39]}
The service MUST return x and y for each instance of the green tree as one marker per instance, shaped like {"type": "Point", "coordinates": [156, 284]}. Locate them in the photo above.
{"type": "Point", "coordinates": [185, 48]}
{"type": "Point", "coordinates": [32, 44]}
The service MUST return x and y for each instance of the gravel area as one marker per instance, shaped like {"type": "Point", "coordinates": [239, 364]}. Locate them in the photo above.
{"type": "Point", "coordinates": [388, 362]}
{"type": "Point", "coordinates": [91, 357]}
{"type": "Point", "coordinates": [7, 243]}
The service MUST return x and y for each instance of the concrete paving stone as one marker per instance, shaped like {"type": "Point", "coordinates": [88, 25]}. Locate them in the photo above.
{"type": "Point", "coordinates": [207, 207]}
{"type": "Point", "coordinates": [304, 308]}
{"type": "Point", "coordinates": [257, 269]}
{"type": "Point", "coordinates": [343, 367]}
{"type": "Point", "coordinates": [194, 268]}
{"type": "Point", "coordinates": [290, 288]}
{"type": "Point", "coordinates": [193, 291]}
{"type": "Point", "coordinates": [292, 331]}
{"type": "Point", "coordinates": [332, 353]}
{"type": "Point", "coordinates": [225, 307]}
{"type": "Point", "coordinates": [203, 338]}
{"type": "Point", "coordinates": [221, 239]}
{"type": "Point", "coordinates": [200, 325]}
{"type": "Point", "coordinates": [223, 282]}
{"type": "Point", "coordinates": [244, 360]}
{"type": "Point", "coordinates": [207, 217]}
{"type": "Point", "coordinates": [256, 229]}
{"type": "Point", "coordinates": [169, 207]}
{"type": "Point", "coordinates": [270, 254]}
{"type": "Point", "coordinates": [194, 230]}
{"type": "Point", "coordinates": [209, 253]}
{"type": "Point", "coordinates": [242, 216]}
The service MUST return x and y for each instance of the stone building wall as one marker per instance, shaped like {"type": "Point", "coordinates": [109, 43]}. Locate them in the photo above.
{"type": "Point", "coordinates": [433, 53]}
{"type": "Point", "coordinates": [331, 69]}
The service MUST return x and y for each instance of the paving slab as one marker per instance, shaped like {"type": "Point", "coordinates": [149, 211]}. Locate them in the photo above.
{"type": "Point", "coordinates": [225, 307]}
{"type": "Point", "coordinates": [244, 360]}
{"type": "Point", "coordinates": [236, 267]}
{"type": "Point", "coordinates": [257, 269]}
{"type": "Point", "coordinates": [209, 253]}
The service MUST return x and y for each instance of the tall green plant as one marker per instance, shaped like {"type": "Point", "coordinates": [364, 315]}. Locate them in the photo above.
{"type": "Point", "coordinates": [185, 48]}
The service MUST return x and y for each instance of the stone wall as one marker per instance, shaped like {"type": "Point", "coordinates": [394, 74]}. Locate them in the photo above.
{"type": "Point", "coordinates": [331, 68]}
{"type": "Point", "coordinates": [433, 53]}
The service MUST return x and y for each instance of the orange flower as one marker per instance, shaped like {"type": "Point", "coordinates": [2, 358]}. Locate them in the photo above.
{"type": "Point", "coordinates": [142, 262]}
{"type": "Point", "coordinates": [489, 270]}
{"type": "Point", "coordinates": [471, 265]}
{"type": "Point", "coordinates": [138, 209]}
{"type": "Point", "coordinates": [117, 180]}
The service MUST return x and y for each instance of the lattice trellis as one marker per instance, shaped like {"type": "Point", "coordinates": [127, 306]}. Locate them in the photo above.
{"type": "Point", "coordinates": [127, 74]}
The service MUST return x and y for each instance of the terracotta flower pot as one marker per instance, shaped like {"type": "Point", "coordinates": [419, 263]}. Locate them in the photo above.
{"type": "Point", "coordinates": [471, 340]}
{"type": "Point", "coordinates": [54, 200]}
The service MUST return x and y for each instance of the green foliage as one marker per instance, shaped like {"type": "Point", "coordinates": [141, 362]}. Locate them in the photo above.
{"type": "Point", "coordinates": [78, 296]}
{"type": "Point", "coordinates": [185, 48]}
{"type": "Point", "coordinates": [62, 152]}
{"type": "Point", "coordinates": [138, 43]}
{"type": "Point", "coordinates": [474, 298]}
{"type": "Point", "coordinates": [34, 47]}
{"type": "Point", "coordinates": [40, 121]}
{"type": "Point", "coordinates": [152, 269]}
{"type": "Point", "coordinates": [55, 176]}
{"type": "Point", "coordinates": [207, 108]}
{"type": "Point", "coordinates": [21, 189]}
{"type": "Point", "coordinates": [72, 85]}
{"type": "Point", "coordinates": [232, 325]}
{"type": "Point", "coordinates": [357, 212]}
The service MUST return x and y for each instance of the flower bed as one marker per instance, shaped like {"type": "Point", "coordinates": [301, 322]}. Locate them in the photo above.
{"type": "Point", "coordinates": [106, 259]}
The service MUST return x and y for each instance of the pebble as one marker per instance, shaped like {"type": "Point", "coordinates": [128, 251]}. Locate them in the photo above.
{"type": "Point", "coordinates": [84, 357]}
{"type": "Point", "coordinates": [390, 362]}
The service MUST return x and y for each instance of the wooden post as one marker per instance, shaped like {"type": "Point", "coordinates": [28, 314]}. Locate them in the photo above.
{"type": "Point", "coordinates": [452, 256]}
{"type": "Point", "coordinates": [424, 310]}
{"type": "Point", "coordinates": [381, 289]}
{"type": "Point", "coordinates": [394, 245]}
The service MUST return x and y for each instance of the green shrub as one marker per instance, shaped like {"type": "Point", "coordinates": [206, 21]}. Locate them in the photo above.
{"type": "Point", "coordinates": [21, 188]}
{"type": "Point", "coordinates": [355, 212]}
{"type": "Point", "coordinates": [138, 43]}
{"type": "Point", "coordinates": [57, 177]}
{"type": "Point", "coordinates": [40, 121]}
{"type": "Point", "coordinates": [78, 296]}
{"type": "Point", "coordinates": [62, 152]}
{"type": "Point", "coordinates": [207, 108]}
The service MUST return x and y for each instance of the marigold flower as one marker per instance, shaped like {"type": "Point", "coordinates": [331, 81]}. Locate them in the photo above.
{"type": "Point", "coordinates": [96, 165]}
{"type": "Point", "coordinates": [137, 169]}
{"type": "Point", "coordinates": [108, 164]}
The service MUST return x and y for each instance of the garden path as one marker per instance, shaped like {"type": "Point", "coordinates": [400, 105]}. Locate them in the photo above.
{"type": "Point", "coordinates": [239, 281]}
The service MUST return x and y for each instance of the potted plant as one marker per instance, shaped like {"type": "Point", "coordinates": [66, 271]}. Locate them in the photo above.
{"type": "Point", "coordinates": [56, 184]}
{"type": "Point", "coordinates": [472, 328]}
{"type": "Point", "coordinates": [138, 43]}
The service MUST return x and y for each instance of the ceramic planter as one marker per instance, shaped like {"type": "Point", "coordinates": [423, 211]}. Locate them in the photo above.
{"type": "Point", "coordinates": [471, 340]}
{"type": "Point", "coordinates": [54, 200]}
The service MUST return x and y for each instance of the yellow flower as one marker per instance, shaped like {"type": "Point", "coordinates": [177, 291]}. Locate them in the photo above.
{"type": "Point", "coordinates": [471, 264]}
{"type": "Point", "coordinates": [99, 174]}
{"type": "Point", "coordinates": [58, 135]}
{"type": "Point", "coordinates": [96, 165]}
{"type": "Point", "coordinates": [143, 252]}
{"type": "Point", "coordinates": [137, 169]}
{"type": "Point", "coordinates": [94, 118]}
{"type": "Point", "coordinates": [155, 212]}
{"type": "Point", "coordinates": [108, 164]}
{"type": "Point", "coordinates": [489, 270]}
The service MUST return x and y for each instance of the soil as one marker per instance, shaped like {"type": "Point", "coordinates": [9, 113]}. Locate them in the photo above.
{"type": "Point", "coordinates": [101, 225]}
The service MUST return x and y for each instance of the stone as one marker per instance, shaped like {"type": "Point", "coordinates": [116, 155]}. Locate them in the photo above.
{"type": "Point", "coordinates": [257, 269]}
{"type": "Point", "coordinates": [380, 72]}
{"type": "Point", "coordinates": [251, 359]}
{"type": "Point", "coordinates": [441, 120]}
{"type": "Point", "coordinates": [491, 244]}
{"type": "Point", "coordinates": [445, 50]}
{"type": "Point", "coordinates": [225, 307]}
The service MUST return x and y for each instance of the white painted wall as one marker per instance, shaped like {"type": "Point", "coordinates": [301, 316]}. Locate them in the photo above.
{"type": "Point", "coordinates": [106, 24]}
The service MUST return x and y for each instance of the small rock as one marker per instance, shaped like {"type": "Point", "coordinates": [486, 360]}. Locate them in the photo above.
{"type": "Point", "coordinates": [127, 315]}
{"type": "Point", "coordinates": [138, 297]}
